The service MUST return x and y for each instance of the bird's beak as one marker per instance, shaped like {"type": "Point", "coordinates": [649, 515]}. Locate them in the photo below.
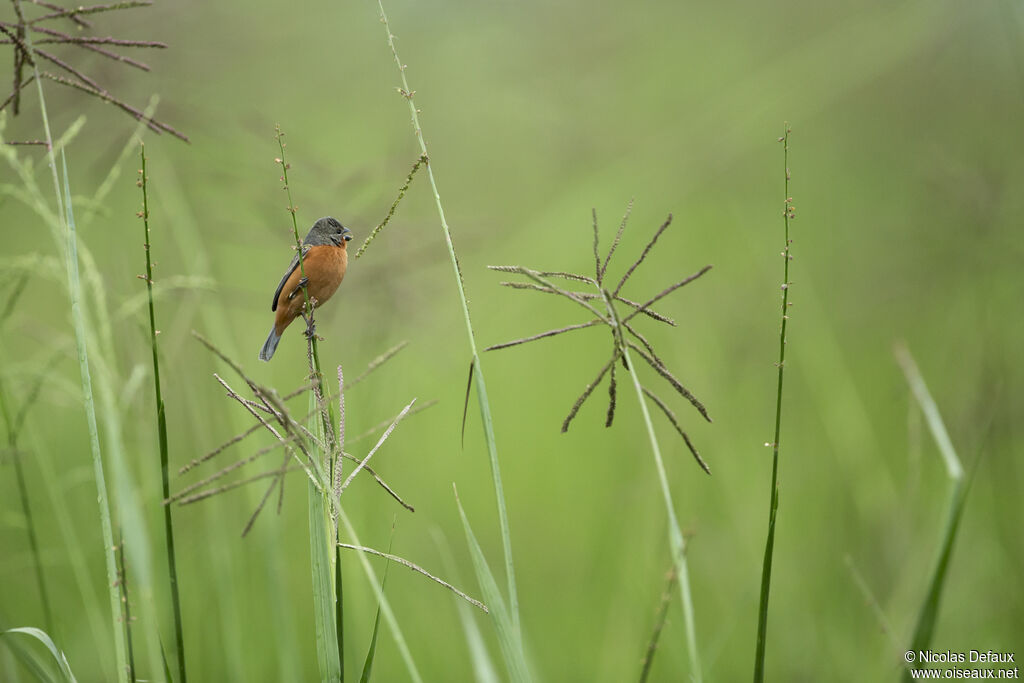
{"type": "Point", "coordinates": [347, 235]}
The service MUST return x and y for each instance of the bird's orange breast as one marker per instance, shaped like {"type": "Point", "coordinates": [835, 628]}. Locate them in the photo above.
{"type": "Point", "coordinates": [325, 269]}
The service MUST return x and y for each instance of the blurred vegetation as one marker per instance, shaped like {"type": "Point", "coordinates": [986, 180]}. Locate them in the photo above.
{"type": "Point", "coordinates": [906, 156]}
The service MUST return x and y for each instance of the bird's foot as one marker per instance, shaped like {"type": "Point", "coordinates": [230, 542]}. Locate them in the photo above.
{"type": "Point", "coordinates": [310, 325]}
{"type": "Point", "coordinates": [310, 330]}
{"type": "Point", "coordinates": [302, 284]}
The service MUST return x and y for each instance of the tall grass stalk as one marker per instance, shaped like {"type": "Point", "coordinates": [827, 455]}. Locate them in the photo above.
{"type": "Point", "coordinates": [322, 536]}
{"type": "Point", "coordinates": [925, 626]}
{"type": "Point", "coordinates": [677, 543]}
{"type": "Point", "coordinates": [161, 423]}
{"type": "Point", "coordinates": [766, 567]}
{"type": "Point", "coordinates": [478, 373]}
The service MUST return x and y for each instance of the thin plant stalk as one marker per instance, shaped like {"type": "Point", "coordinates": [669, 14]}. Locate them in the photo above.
{"type": "Point", "coordinates": [766, 568]}
{"type": "Point", "coordinates": [478, 374]}
{"type": "Point", "coordinates": [659, 624]}
{"type": "Point", "coordinates": [126, 612]}
{"type": "Point", "coordinates": [382, 601]}
{"type": "Point", "coordinates": [677, 543]}
{"type": "Point", "coordinates": [323, 558]}
{"type": "Point", "coordinates": [26, 508]}
{"type": "Point", "coordinates": [161, 422]}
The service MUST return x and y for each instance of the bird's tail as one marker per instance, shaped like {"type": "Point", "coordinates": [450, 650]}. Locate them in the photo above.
{"type": "Point", "coordinates": [269, 346]}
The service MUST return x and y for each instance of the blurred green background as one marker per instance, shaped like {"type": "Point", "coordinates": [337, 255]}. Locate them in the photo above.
{"type": "Point", "coordinates": [907, 160]}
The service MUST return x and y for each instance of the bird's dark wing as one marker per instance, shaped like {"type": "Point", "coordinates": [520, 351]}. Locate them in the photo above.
{"type": "Point", "coordinates": [294, 264]}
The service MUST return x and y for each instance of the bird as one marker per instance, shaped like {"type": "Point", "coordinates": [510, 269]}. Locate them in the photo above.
{"type": "Point", "coordinates": [324, 261]}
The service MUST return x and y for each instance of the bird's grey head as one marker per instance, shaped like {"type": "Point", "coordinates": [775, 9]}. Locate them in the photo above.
{"type": "Point", "coordinates": [328, 230]}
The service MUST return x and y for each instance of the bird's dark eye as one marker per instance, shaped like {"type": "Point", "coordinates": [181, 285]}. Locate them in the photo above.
{"type": "Point", "coordinates": [338, 231]}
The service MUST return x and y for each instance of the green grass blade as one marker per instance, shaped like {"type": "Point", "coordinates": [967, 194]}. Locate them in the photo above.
{"type": "Point", "coordinates": [483, 667]}
{"type": "Point", "coordinates": [30, 660]}
{"type": "Point", "coordinates": [44, 638]}
{"type": "Point", "coordinates": [74, 290]}
{"type": "Point", "coordinates": [928, 615]}
{"type": "Point", "coordinates": [167, 666]}
{"type": "Point", "coordinates": [368, 664]}
{"type": "Point", "coordinates": [509, 638]}
{"type": "Point", "coordinates": [485, 408]}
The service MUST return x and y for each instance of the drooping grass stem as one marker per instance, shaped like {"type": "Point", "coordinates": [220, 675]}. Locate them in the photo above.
{"type": "Point", "coordinates": [766, 568]}
{"type": "Point", "coordinates": [478, 374]}
{"type": "Point", "coordinates": [161, 424]}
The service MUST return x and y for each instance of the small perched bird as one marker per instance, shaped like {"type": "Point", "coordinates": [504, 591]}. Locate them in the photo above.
{"type": "Point", "coordinates": [324, 260]}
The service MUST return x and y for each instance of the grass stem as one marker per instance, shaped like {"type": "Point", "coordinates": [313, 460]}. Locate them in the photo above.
{"type": "Point", "coordinates": [766, 568]}
{"type": "Point", "coordinates": [677, 544]}
{"type": "Point", "coordinates": [478, 374]}
{"type": "Point", "coordinates": [161, 423]}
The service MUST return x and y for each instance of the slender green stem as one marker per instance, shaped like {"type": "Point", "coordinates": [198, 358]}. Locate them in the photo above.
{"type": "Point", "coordinates": [126, 612]}
{"type": "Point", "coordinates": [766, 568]}
{"type": "Point", "coordinates": [161, 421]}
{"type": "Point", "coordinates": [677, 544]}
{"type": "Point", "coordinates": [659, 624]}
{"type": "Point", "coordinates": [26, 508]}
{"type": "Point", "coordinates": [32, 540]}
{"type": "Point", "coordinates": [308, 305]}
{"type": "Point", "coordinates": [326, 575]}
{"type": "Point", "coordinates": [485, 410]}
{"type": "Point", "coordinates": [298, 242]}
{"type": "Point", "coordinates": [23, 491]}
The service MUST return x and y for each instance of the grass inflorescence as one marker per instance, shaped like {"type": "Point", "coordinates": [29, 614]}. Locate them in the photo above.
{"type": "Point", "coordinates": [623, 347]}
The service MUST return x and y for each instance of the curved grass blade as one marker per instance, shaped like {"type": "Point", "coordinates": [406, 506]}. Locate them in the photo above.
{"type": "Point", "coordinates": [483, 667]}
{"type": "Point", "coordinates": [929, 613]}
{"type": "Point", "coordinates": [509, 638]}
{"type": "Point", "coordinates": [44, 638]}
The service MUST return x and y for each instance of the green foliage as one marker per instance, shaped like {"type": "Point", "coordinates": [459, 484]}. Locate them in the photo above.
{"type": "Point", "coordinates": [909, 153]}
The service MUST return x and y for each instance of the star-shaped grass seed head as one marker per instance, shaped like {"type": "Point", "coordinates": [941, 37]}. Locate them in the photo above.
{"type": "Point", "coordinates": [603, 303]}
